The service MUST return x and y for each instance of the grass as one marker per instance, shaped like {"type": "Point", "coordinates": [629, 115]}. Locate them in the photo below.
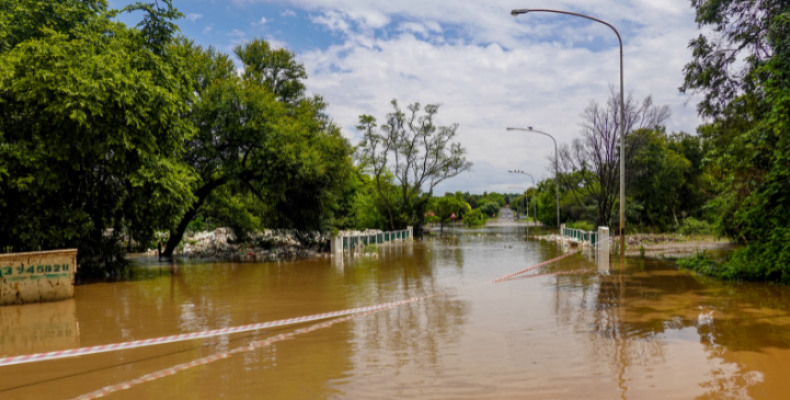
{"type": "Point", "coordinates": [581, 225]}
{"type": "Point", "coordinates": [702, 264]}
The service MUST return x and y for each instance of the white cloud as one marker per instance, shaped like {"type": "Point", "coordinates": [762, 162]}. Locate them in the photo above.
{"type": "Point", "coordinates": [262, 21]}
{"type": "Point", "coordinates": [491, 70]}
{"type": "Point", "coordinates": [238, 37]}
{"type": "Point", "coordinates": [288, 13]}
{"type": "Point", "coordinates": [207, 30]}
{"type": "Point", "coordinates": [276, 43]}
{"type": "Point", "coordinates": [332, 20]}
{"type": "Point", "coordinates": [421, 28]}
{"type": "Point", "coordinates": [194, 17]}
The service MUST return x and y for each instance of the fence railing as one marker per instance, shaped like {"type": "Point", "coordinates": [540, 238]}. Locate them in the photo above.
{"type": "Point", "coordinates": [580, 235]}
{"type": "Point", "coordinates": [355, 241]}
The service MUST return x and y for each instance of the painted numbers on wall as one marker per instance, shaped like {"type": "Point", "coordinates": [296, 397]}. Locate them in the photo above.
{"type": "Point", "coordinates": [33, 270]}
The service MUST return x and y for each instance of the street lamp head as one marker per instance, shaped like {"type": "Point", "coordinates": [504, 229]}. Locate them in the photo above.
{"type": "Point", "coordinates": [517, 12]}
{"type": "Point", "coordinates": [529, 127]}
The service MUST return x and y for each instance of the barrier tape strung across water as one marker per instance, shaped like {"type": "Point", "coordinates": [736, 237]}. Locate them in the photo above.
{"type": "Point", "coordinates": [23, 359]}
{"type": "Point", "coordinates": [250, 347]}
{"type": "Point", "coordinates": [216, 357]}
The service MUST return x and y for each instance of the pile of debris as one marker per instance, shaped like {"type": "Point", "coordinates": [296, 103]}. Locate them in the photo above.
{"type": "Point", "coordinates": [269, 245]}
{"type": "Point", "coordinates": [366, 232]}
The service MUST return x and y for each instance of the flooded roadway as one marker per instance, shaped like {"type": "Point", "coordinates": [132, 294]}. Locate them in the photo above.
{"type": "Point", "coordinates": [644, 332]}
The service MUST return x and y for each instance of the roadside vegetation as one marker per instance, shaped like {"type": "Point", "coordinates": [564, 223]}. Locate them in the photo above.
{"type": "Point", "coordinates": [114, 138]}
{"type": "Point", "coordinates": [730, 180]}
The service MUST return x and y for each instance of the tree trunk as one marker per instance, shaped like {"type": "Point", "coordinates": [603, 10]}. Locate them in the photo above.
{"type": "Point", "coordinates": [178, 234]}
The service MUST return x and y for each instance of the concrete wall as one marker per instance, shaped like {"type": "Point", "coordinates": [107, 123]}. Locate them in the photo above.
{"type": "Point", "coordinates": [37, 277]}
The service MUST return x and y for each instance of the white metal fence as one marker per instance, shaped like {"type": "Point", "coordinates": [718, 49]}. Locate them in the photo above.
{"type": "Point", "coordinates": [580, 235]}
{"type": "Point", "coordinates": [355, 241]}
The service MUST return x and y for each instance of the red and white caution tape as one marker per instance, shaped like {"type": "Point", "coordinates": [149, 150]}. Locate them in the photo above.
{"type": "Point", "coordinates": [195, 335]}
{"type": "Point", "coordinates": [574, 272]}
{"type": "Point", "coordinates": [216, 357]}
{"type": "Point", "coordinates": [534, 267]}
{"type": "Point", "coordinates": [23, 359]}
{"type": "Point", "coordinates": [250, 347]}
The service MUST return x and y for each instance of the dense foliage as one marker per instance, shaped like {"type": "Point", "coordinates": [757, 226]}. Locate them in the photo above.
{"type": "Point", "coordinates": [109, 134]}
{"type": "Point", "coordinates": [748, 137]}
{"type": "Point", "coordinates": [413, 151]}
{"type": "Point", "coordinates": [92, 126]}
{"type": "Point", "coordinates": [264, 140]}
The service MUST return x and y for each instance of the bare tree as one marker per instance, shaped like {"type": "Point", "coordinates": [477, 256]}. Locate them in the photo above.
{"type": "Point", "coordinates": [416, 152]}
{"type": "Point", "coordinates": [594, 159]}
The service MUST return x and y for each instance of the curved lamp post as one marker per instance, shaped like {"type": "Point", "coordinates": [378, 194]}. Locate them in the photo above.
{"type": "Point", "coordinates": [622, 111]}
{"type": "Point", "coordinates": [556, 165]}
{"type": "Point", "coordinates": [518, 171]}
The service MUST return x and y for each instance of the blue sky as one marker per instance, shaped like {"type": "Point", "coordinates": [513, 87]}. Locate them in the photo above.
{"type": "Point", "coordinates": [488, 69]}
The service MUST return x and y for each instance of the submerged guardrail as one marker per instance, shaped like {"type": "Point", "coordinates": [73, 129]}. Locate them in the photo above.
{"type": "Point", "coordinates": [583, 236]}
{"type": "Point", "coordinates": [357, 241]}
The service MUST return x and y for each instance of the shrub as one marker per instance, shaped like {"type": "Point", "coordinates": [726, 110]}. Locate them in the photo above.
{"type": "Point", "coordinates": [489, 209]}
{"type": "Point", "coordinates": [582, 225]}
{"type": "Point", "coordinates": [702, 264]}
{"type": "Point", "coordinates": [691, 226]}
{"type": "Point", "coordinates": [474, 218]}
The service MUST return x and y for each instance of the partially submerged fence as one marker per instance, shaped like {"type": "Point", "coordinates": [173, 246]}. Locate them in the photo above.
{"type": "Point", "coordinates": [585, 236]}
{"type": "Point", "coordinates": [356, 241]}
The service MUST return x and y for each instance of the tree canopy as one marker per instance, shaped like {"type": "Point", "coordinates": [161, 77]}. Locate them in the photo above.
{"type": "Point", "coordinates": [747, 105]}
{"type": "Point", "coordinates": [92, 126]}
{"type": "Point", "coordinates": [416, 152]}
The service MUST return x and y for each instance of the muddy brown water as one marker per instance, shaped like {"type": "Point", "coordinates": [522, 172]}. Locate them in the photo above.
{"type": "Point", "coordinates": [646, 331]}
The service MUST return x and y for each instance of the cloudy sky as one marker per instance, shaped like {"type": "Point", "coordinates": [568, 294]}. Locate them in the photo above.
{"type": "Point", "coordinates": [486, 68]}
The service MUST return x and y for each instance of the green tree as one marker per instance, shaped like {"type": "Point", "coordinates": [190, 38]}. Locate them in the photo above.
{"type": "Point", "coordinates": [274, 145]}
{"type": "Point", "coordinates": [594, 158]}
{"type": "Point", "coordinates": [489, 208]}
{"type": "Point", "coordinates": [474, 218]}
{"type": "Point", "coordinates": [658, 178]}
{"type": "Point", "coordinates": [749, 105]}
{"type": "Point", "coordinates": [92, 127]}
{"type": "Point", "coordinates": [446, 206]}
{"type": "Point", "coordinates": [417, 152]}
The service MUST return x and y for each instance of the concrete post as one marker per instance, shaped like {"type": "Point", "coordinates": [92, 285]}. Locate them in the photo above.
{"type": "Point", "coordinates": [603, 238]}
{"type": "Point", "coordinates": [602, 251]}
{"type": "Point", "coordinates": [336, 244]}
{"type": "Point", "coordinates": [562, 234]}
{"type": "Point", "coordinates": [411, 232]}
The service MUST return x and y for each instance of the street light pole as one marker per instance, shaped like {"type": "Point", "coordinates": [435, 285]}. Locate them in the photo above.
{"type": "Point", "coordinates": [556, 164]}
{"type": "Point", "coordinates": [518, 171]}
{"type": "Point", "coordinates": [622, 112]}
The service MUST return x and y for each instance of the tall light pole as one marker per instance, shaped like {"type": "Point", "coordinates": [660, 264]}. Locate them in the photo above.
{"type": "Point", "coordinates": [556, 164]}
{"type": "Point", "coordinates": [622, 112]}
{"type": "Point", "coordinates": [518, 171]}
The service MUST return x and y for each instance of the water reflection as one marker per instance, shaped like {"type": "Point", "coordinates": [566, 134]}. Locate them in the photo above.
{"type": "Point", "coordinates": [639, 330]}
{"type": "Point", "coordinates": [656, 329]}
{"type": "Point", "coordinates": [39, 328]}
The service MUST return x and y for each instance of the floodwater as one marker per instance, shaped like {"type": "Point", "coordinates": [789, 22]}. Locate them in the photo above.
{"type": "Point", "coordinates": [643, 331]}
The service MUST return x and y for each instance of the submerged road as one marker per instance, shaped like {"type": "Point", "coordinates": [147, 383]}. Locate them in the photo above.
{"type": "Point", "coordinates": [647, 331]}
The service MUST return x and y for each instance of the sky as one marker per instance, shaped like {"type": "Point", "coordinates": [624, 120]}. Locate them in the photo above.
{"type": "Point", "coordinates": [487, 69]}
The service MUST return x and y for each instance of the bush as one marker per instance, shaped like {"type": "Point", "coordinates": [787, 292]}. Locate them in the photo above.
{"type": "Point", "coordinates": [691, 226]}
{"type": "Point", "coordinates": [474, 218]}
{"type": "Point", "coordinates": [757, 262]}
{"type": "Point", "coordinates": [581, 225]}
{"type": "Point", "coordinates": [702, 264]}
{"type": "Point", "coordinates": [489, 209]}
